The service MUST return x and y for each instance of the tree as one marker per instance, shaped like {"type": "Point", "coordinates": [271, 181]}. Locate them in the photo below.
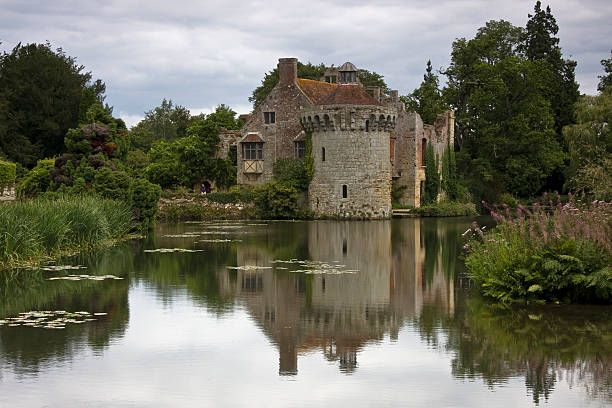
{"type": "Point", "coordinates": [166, 122]}
{"type": "Point", "coordinates": [505, 127]}
{"type": "Point", "coordinates": [41, 92]}
{"type": "Point", "coordinates": [605, 80]}
{"type": "Point", "coordinates": [449, 172]}
{"type": "Point", "coordinates": [427, 99]}
{"type": "Point", "coordinates": [540, 43]}
{"type": "Point", "coordinates": [368, 78]}
{"type": "Point", "coordinates": [432, 177]}
{"type": "Point", "coordinates": [590, 147]}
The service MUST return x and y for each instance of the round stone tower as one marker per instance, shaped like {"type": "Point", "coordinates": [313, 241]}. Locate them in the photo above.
{"type": "Point", "coordinates": [352, 161]}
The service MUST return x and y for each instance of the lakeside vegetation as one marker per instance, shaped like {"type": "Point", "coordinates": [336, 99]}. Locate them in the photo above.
{"type": "Point", "coordinates": [39, 230]}
{"type": "Point", "coordinates": [554, 252]}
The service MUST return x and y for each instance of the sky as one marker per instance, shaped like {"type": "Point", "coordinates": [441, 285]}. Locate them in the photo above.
{"type": "Point", "coordinates": [201, 54]}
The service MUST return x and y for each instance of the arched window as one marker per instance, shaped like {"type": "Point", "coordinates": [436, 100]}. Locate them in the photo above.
{"type": "Point", "coordinates": [322, 154]}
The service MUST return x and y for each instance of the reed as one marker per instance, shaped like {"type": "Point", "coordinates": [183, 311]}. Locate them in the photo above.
{"type": "Point", "coordinates": [33, 230]}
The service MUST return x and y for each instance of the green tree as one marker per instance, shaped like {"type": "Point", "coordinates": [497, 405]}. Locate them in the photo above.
{"type": "Point", "coordinates": [505, 127]}
{"type": "Point", "coordinates": [605, 80]}
{"type": "Point", "coordinates": [432, 177]}
{"type": "Point", "coordinates": [368, 78]}
{"type": "Point", "coordinates": [427, 99]}
{"type": "Point", "coordinates": [41, 91]}
{"type": "Point", "coordinates": [540, 43]}
{"type": "Point", "coordinates": [166, 122]}
{"type": "Point", "coordinates": [449, 172]}
{"type": "Point", "coordinates": [590, 147]}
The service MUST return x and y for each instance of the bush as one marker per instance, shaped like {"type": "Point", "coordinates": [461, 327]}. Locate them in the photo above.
{"type": "Point", "coordinates": [446, 209]}
{"type": "Point", "coordinates": [553, 253]}
{"type": "Point", "coordinates": [291, 172]}
{"type": "Point", "coordinates": [277, 201]}
{"type": "Point", "coordinates": [37, 180]}
{"type": "Point", "coordinates": [112, 184]}
{"type": "Point", "coordinates": [7, 174]}
{"type": "Point", "coordinates": [234, 196]}
{"type": "Point", "coordinates": [144, 196]}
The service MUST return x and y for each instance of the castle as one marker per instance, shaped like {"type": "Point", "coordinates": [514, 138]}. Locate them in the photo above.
{"type": "Point", "coordinates": [362, 140]}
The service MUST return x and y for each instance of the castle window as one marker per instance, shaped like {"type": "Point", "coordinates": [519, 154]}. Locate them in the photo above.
{"type": "Point", "coordinates": [332, 79]}
{"type": "Point", "coordinates": [300, 149]}
{"type": "Point", "coordinates": [344, 191]}
{"type": "Point", "coordinates": [252, 151]}
{"type": "Point", "coordinates": [269, 117]}
{"type": "Point", "coordinates": [348, 77]}
{"type": "Point", "coordinates": [322, 154]}
{"type": "Point", "coordinates": [367, 125]}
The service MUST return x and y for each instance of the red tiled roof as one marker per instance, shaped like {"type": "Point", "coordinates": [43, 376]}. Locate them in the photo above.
{"type": "Point", "coordinates": [323, 93]}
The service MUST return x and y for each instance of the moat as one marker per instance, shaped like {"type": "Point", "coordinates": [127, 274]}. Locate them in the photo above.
{"type": "Point", "coordinates": [320, 313]}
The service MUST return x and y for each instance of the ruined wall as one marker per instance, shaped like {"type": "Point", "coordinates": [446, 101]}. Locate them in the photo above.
{"type": "Point", "coordinates": [409, 166]}
{"type": "Point", "coordinates": [356, 140]}
{"type": "Point", "coordinates": [287, 101]}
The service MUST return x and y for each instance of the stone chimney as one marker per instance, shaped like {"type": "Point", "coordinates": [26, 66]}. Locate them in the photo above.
{"type": "Point", "coordinates": [287, 71]}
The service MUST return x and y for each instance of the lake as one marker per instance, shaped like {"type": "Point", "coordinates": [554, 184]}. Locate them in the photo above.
{"type": "Point", "coordinates": [290, 314]}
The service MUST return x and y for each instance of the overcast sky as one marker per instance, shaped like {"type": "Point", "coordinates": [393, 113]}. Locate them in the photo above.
{"type": "Point", "coordinates": [204, 53]}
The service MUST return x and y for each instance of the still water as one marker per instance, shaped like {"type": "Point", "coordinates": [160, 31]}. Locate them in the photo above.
{"type": "Point", "coordinates": [322, 313]}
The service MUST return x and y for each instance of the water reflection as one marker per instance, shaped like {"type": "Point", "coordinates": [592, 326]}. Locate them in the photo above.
{"type": "Point", "coordinates": [409, 280]}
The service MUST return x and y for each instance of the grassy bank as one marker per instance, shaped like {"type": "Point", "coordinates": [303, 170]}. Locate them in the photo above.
{"type": "Point", "coordinates": [36, 230]}
{"type": "Point", "coordinates": [441, 209]}
{"type": "Point", "coordinates": [553, 253]}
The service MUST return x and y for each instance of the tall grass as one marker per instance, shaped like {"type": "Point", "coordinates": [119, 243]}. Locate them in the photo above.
{"type": "Point", "coordinates": [36, 229]}
{"type": "Point", "coordinates": [551, 252]}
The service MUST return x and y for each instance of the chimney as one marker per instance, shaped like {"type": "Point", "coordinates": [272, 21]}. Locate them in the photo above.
{"type": "Point", "coordinates": [287, 71]}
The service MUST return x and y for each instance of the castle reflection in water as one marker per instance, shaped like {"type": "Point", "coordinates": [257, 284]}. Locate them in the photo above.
{"type": "Point", "coordinates": [340, 314]}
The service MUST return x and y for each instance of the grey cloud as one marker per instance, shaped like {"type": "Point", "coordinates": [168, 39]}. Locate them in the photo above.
{"type": "Point", "coordinates": [201, 54]}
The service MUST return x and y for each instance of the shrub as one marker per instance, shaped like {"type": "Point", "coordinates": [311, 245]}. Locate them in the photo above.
{"type": "Point", "coordinates": [291, 172]}
{"type": "Point", "coordinates": [7, 174]}
{"type": "Point", "coordinates": [432, 177]}
{"type": "Point", "coordinates": [446, 209]}
{"type": "Point", "coordinates": [112, 184]}
{"type": "Point", "coordinates": [37, 180]}
{"type": "Point", "coordinates": [555, 252]}
{"type": "Point", "coordinates": [144, 196]}
{"type": "Point", "coordinates": [277, 201]}
{"type": "Point", "coordinates": [234, 196]}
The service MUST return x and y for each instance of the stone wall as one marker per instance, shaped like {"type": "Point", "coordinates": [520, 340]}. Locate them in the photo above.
{"type": "Point", "coordinates": [227, 138]}
{"type": "Point", "coordinates": [356, 140]}
{"type": "Point", "coordinates": [287, 102]}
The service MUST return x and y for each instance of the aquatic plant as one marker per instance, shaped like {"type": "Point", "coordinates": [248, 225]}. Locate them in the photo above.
{"type": "Point", "coordinates": [550, 252]}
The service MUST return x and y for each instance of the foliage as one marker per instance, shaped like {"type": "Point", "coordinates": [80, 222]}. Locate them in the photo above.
{"type": "Point", "coordinates": [277, 201]}
{"type": "Point", "coordinates": [7, 174]}
{"type": "Point", "coordinates": [37, 180]}
{"type": "Point", "coordinates": [553, 253]}
{"type": "Point", "coordinates": [427, 99]}
{"type": "Point", "coordinates": [234, 196]}
{"type": "Point", "coordinates": [605, 80]}
{"type": "Point", "coordinates": [449, 172]}
{"type": "Point", "coordinates": [397, 191]}
{"type": "Point", "coordinates": [432, 177]}
{"type": "Point", "coordinates": [445, 209]}
{"type": "Point", "coordinates": [137, 161]}
{"type": "Point", "coordinates": [539, 43]}
{"type": "Point", "coordinates": [589, 143]}
{"type": "Point", "coordinates": [505, 127]}
{"type": "Point", "coordinates": [368, 78]}
{"type": "Point", "coordinates": [41, 95]}
{"type": "Point", "coordinates": [191, 159]}
{"type": "Point", "coordinates": [166, 122]}
{"type": "Point", "coordinates": [33, 230]}
{"type": "Point", "coordinates": [112, 184]}
{"type": "Point", "coordinates": [292, 172]}
{"type": "Point", "coordinates": [144, 196]}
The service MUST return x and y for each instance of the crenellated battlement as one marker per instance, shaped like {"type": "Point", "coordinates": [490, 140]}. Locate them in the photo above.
{"type": "Point", "coordinates": [349, 118]}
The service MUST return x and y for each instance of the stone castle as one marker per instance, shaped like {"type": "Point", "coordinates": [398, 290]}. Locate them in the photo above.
{"type": "Point", "coordinates": [362, 140]}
